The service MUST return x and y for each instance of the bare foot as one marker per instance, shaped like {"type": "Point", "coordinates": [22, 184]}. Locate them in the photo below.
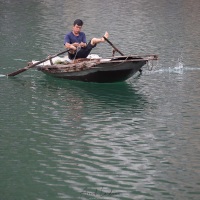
{"type": "Point", "coordinates": [106, 35]}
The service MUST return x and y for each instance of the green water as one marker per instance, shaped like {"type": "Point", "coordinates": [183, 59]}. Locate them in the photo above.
{"type": "Point", "coordinates": [71, 140]}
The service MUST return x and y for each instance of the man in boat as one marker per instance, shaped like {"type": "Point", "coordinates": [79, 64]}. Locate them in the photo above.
{"type": "Point", "coordinates": [76, 41]}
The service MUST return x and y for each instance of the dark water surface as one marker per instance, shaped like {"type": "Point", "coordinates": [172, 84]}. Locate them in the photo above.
{"type": "Point", "coordinates": [139, 139]}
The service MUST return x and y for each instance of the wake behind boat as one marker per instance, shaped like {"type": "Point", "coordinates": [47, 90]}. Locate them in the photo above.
{"type": "Point", "coordinates": [96, 69]}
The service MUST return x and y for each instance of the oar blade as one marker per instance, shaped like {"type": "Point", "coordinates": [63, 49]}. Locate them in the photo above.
{"type": "Point", "coordinates": [18, 72]}
{"type": "Point", "coordinates": [35, 64]}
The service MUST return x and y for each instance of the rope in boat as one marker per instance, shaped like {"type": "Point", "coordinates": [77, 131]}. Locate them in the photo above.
{"type": "Point", "coordinates": [77, 50]}
{"type": "Point", "coordinates": [122, 61]}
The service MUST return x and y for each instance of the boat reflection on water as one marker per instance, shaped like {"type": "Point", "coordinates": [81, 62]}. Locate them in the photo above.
{"type": "Point", "coordinates": [116, 95]}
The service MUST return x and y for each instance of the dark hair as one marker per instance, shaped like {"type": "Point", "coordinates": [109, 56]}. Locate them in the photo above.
{"type": "Point", "coordinates": [79, 22]}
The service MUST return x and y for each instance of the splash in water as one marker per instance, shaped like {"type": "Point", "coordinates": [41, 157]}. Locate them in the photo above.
{"type": "Point", "coordinates": [178, 68]}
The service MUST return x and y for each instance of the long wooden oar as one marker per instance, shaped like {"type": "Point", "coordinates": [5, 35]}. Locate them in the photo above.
{"type": "Point", "coordinates": [115, 48]}
{"type": "Point", "coordinates": [33, 65]}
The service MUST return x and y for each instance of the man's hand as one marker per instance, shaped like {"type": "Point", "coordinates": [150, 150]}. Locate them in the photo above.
{"type": "Point", "coordinates": [76, 44]}
{"type": "Point", "coordinates": [82, 44]}
{"type": "Point", "coordinates": [72, 46]}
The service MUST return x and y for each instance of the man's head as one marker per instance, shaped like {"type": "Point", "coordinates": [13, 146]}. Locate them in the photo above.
{"type": "Point", "coordinates": [78, 23]}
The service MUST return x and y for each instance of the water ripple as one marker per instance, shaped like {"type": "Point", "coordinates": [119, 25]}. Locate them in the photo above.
{"type": "Point", "coordinates": [70, 140]}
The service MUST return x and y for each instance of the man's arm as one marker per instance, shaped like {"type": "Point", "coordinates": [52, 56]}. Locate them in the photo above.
{"type": "Point", "coordinates": [83, 42]}
{"type": "Point", "coordinates": [71, 46]}
{"type": "Point", "coordinates": [75, 45]}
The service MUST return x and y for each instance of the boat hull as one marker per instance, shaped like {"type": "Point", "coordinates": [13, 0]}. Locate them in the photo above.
{"type": "Point", "coordinates": [109, 70]}
{"type": "Point", "coordinates": [102, 73]}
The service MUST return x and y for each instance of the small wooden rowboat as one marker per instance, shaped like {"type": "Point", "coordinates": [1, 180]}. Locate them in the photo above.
{"type": "Point", "coordinates": [99, 70]}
